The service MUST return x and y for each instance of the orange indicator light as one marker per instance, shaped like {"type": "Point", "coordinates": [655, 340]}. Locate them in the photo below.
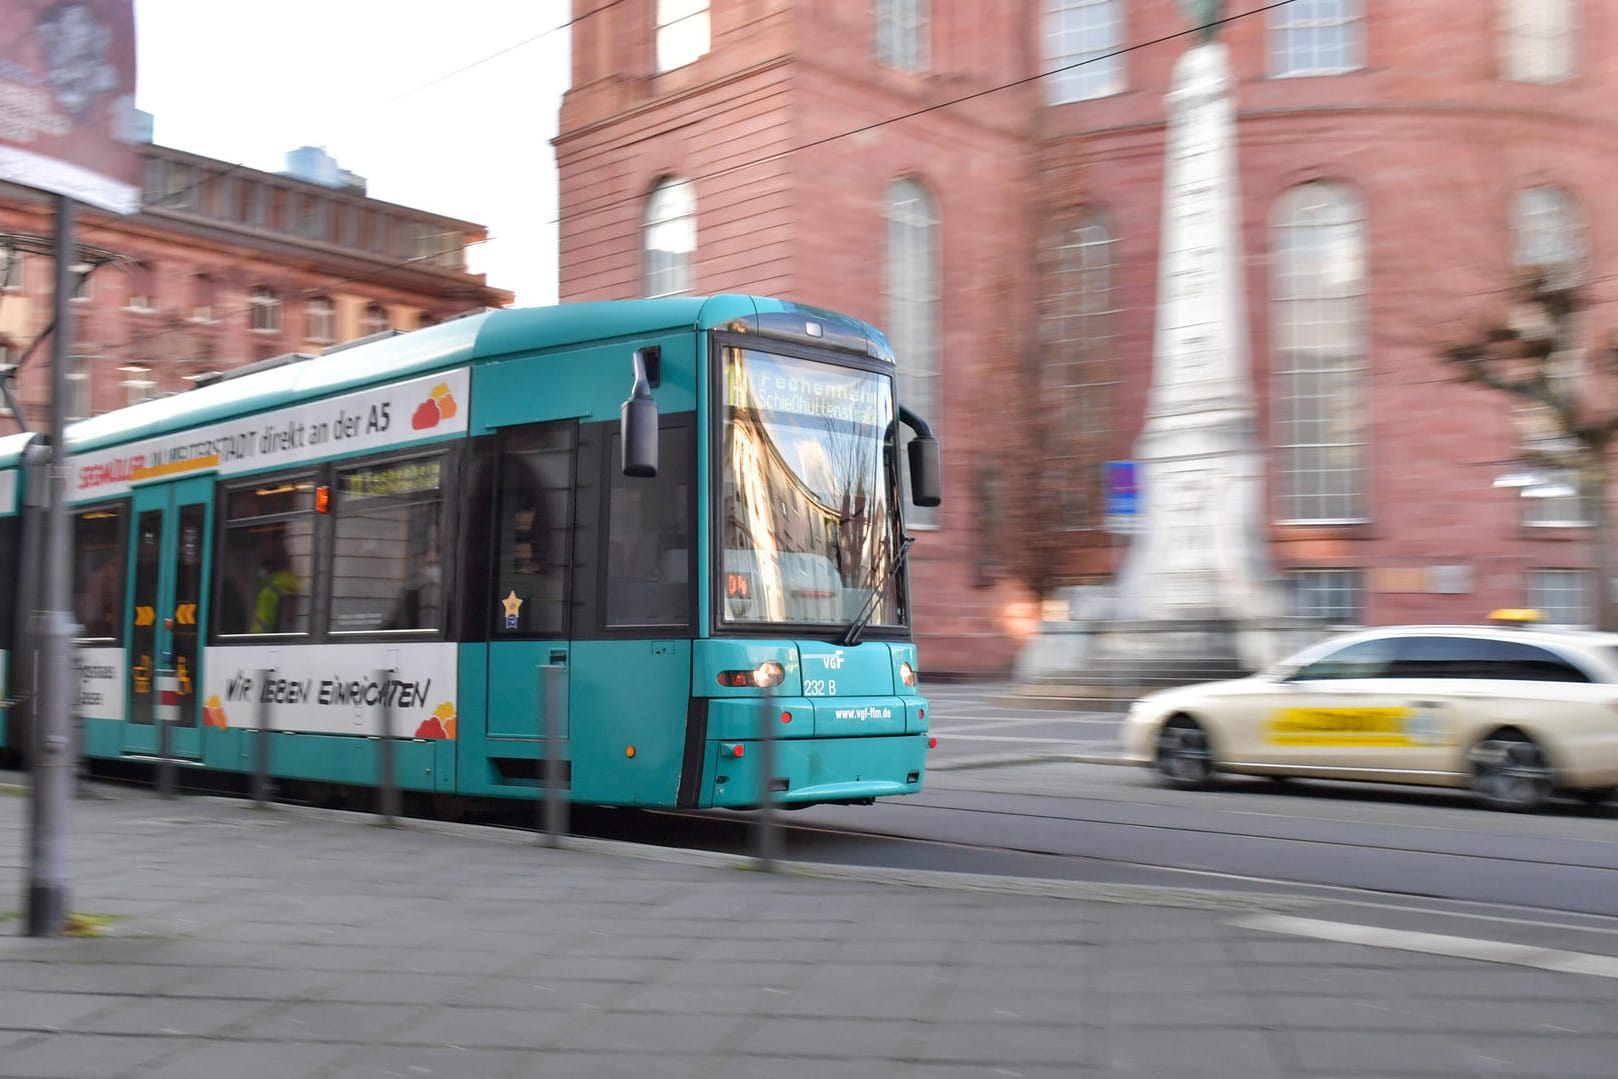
{"type": "Point", "coordinates": [629, 751]}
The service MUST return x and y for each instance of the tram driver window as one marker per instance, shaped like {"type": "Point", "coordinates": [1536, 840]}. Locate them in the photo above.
{"type": "Point", "coordinates": [98, 572]}
{"type": "Point", "coordinates": [268, 558]}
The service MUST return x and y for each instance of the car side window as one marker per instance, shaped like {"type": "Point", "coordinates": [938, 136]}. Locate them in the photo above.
{"type": "Point", "coordinates": [1362, 659]}
{"type": "Point", "coordinates": [1467, 657]}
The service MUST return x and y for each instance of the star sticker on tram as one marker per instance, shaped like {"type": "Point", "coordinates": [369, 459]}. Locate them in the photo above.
{"type": "Point", "coordinates": [512, 604]}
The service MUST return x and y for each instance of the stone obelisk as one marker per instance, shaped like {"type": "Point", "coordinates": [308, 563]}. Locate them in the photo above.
{"type": "Point", "coordinates": [1199, 556]}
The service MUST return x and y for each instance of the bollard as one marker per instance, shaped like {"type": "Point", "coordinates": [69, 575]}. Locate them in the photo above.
{"type": "Point", "coordinates": [388, 784]}
{"type": "Point", "coordinates": [553, 686]}
{"type": "Point", "coordinates": [769, 837]}
{"type": "Point", "coordinates": [168, 714]}
{"type": "Point", "coordinates": [261, 742]}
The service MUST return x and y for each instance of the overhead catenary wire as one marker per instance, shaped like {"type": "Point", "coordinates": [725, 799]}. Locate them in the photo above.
{"type": "Point", "coordinates": [140, 340]}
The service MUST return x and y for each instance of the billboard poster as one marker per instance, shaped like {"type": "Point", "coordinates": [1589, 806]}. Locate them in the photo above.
{"type": "Point", "coordinates": [67, 100]}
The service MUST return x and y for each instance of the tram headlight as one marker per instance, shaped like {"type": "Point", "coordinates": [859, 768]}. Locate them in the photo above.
{"type": "Point", "coordinates": [765, 676]}
{"type": "Point", "coordinates": [907, 674]}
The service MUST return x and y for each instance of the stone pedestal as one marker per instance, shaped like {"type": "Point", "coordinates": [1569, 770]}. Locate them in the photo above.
{"type": "Point", "coordinates": [1196, 596]}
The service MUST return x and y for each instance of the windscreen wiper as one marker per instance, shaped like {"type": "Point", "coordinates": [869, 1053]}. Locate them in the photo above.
{"type": "Point", "coordinates": [851, 635]}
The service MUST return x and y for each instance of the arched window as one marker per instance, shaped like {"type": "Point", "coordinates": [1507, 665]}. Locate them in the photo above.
{"type": "Point", "coordinates": [901, 34]}
{"type": "Point", "coordinates": [669, 239]}
{"type": "Point", "coordinates": [1081, 41]}
{"type": "Point", "coordinates": [1080, 369]}
{"type": "Point", "coordinates": [1548, 237]}
{"type": "Point", "coordinates": [1546, 234]}
{"type": "Point", "coordinates": [1538, 40]}
{"type": "Point", "coordinates": [265, 307]}
{"type": "Point", "coordinates": [911, 288]}
{"type": "Point", "coordinates": [202, 298]}
{"type": "Point", "coordinates": [1320, 360]}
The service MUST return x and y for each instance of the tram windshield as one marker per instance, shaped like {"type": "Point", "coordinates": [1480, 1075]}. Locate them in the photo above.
{"type": "Point", "coordinates": [810, 495]}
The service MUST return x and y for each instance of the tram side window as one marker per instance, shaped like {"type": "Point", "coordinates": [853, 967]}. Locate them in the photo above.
{"type": "Point", "coordinates": [535, 521]}
{"type": "Point", "coordinates": [387, 564]}
{"type": "Point", "coordinates": [649, 538]}
{"type": "Point", "coordinates": [98, 572]}
{"type": "Point", "coordinates": [8, 579]}
{"type": "Point", "coordinates": [268, 557]}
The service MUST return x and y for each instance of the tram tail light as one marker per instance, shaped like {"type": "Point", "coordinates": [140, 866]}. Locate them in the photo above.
{"type": "Point", "coordinates": [764, 676]}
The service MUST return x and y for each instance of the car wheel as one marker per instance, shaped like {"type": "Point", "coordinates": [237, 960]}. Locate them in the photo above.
{"type": "Point", "coordinates": [1593, 796]}
{"type": "Point", "coordinates": [1184, 756]}
{"type": "Point", "coordinates": [1510, 771]}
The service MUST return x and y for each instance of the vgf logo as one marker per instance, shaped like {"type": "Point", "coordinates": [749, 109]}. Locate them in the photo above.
{"type": "Point", "coordinates": [833, 662]}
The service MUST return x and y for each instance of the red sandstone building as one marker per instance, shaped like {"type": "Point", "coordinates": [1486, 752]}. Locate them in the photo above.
{"type": "Point", "coordinates": [984, 180]}
{"type": "Point", "coordinates": [222, 266]}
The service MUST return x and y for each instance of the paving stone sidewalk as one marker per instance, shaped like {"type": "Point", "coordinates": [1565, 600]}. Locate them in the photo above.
{"type": "Point", "coordinates": [293, 943]}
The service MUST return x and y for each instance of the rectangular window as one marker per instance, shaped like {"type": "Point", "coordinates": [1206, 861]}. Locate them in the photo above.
{"type": "Point", "coordinates": [682, 32]}
{"type": "Point", "coordinates": [267, 559]}
{"type": "Point", "coordinates": [1552, 501]}
{"type": "Point", "coordinates": [901, 34]}
{"type": "Point", "coordinates": [1083, 42]}
{"type": "Point", "coordinates": [1563, 596]}
{"type": "Point", "coordinates": [1331, 594]}
{"type": "Point", "coordinates": [535, 539]}
{"type": "Point", "coordinates": [1316, 37]}
{"type": "Point", "coordinates": [387, 556]}
{"type": "Point", "coordinates": [98, 572]}
{"type": "Point", "coordinates": [1539, 40]}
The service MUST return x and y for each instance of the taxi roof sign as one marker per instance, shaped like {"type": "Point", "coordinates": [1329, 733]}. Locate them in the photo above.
{"type": "Point", "coordinates": [1516, 616]}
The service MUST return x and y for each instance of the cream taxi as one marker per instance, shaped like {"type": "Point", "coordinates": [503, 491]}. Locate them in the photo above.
{"type": "Point", "coordinates": [1517, 713]}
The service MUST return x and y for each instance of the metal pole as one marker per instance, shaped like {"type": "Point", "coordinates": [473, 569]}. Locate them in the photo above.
{"type": "Point", "coordinates": [168, 708]}
{"type": "Point", "coordinates": [553, 678]}
{"type": "Point", "coordinates": [261, 742]}
{"type": "Point", "coordinates": [769, 836]}
{"type": "Point", "coordinates": [47, 880]}
{"type": "Point", "coordinates": [389, 789]}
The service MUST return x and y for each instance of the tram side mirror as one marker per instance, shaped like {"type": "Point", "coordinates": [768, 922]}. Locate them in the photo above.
{"type": "Point", "coordinates": [926, 471]}
{"type": "Point", "coordinates": [637, 419]}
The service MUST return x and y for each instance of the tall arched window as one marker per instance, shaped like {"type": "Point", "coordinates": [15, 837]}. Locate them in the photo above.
{"type": "Point", "coordinates": [1320, 360]}
{"type": "Point", "coordinates": [1080, 366]}
{"type": "Point", "coordinates": [1546, 233]}
{"type": "Point", "coordinates": [669, 239]}
{"type": "Point", "coordinates": [912, 307]}
{"type": "Point", "coordinates": [1548, 237]}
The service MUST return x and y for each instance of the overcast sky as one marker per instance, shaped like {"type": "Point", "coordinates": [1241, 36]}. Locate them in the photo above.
{"type": "Point", "coordinates": [445, 107]}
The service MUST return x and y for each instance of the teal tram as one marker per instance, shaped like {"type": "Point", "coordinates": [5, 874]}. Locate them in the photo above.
{"type": "Point", "coordinates": [642, 527]}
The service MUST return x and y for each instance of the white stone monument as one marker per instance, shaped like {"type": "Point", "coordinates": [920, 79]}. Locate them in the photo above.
{"type": "Point", "coordinates": [1195, 588]}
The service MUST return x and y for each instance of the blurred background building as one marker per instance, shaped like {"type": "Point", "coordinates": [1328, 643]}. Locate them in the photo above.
{"type": "Point", "coordinates": [223, 266]}
{"type": "Point", "coordinates": [984, 181]}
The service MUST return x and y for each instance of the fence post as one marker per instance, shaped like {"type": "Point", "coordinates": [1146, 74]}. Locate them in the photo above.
{"type": "Point", "coordinates": [553, 687]}
{"type": "Point", "coordinates": [769, 839]}
{"type": "Point", "coordinates": [388, 788]}
{"type": "Point", "coordinates": [168, 713]}
{"type": "Point", "coordinates": [261, 741]}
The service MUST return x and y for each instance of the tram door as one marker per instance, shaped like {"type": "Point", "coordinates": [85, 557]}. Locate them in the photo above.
{"type": "Point", "coordinates": [534, 510]}
{"type": "Point", "coordinates": [169, 552]}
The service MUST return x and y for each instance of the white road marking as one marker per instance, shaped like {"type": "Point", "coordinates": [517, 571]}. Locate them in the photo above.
{"type": "Point", "coordinates": [1489, 951]}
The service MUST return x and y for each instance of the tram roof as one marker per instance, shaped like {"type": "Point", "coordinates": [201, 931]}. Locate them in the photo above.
{"type": "Point", "coordinates": [12, 447]}
{"type": "Point", "coordinates": [458, 342]}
